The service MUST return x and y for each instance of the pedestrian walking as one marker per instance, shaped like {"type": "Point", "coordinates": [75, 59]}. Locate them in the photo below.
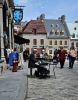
{"type": "Point", "coordinates": [25, 55]}
{"type": "Point", "coordinates": [72, 56]}
{"type": "Point", "coordinates": [32, 61]}
{"type": "Point", "coordinates": [55, 56]}
{"type": "Point", "coordinates": [62, 56]}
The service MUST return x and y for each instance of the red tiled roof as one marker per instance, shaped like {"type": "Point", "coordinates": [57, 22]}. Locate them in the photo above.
{"type": "Point", "coordinates": [35, 24]}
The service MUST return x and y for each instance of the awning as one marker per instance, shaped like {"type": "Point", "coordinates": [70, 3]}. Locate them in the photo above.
{"type": "Point", "coordinates": [20, 40]}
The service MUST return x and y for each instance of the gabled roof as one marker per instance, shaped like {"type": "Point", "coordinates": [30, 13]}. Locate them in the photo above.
{"type": "Point", "coordinates": [35, 24]}
{"type": "Point", "coordinates": [56, 24]}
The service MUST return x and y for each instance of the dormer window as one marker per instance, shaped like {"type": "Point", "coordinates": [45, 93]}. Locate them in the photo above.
{"type": "Point", "coordinates": [57, 32]}
{"type": "Point", "coordinates": [34, 31]}
{"type": "Point", "coordinates": [52, 25]}
{"type": "Point", "coordinates": [62, 32]}
{"type": "Point", "coordinates": [57, 25]}
{"type": "Point", "coordinates": [52, 32]}
{"type": "Point", "coordinates": [73, 35]}
{"type": "Point", "coordinates": [75, 28]}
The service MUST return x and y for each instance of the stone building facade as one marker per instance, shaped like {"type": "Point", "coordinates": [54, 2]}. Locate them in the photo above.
{"type": "Point", "coordinates": [6, 26]}
{"type": "Point", "coordinates": [47, 34]}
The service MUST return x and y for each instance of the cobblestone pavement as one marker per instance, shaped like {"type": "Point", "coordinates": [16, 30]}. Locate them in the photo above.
{"type": "Point", "coordinates": [64, 87]}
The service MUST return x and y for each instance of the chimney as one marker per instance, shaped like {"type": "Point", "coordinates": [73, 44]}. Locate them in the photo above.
{"type": "Point", "coordinates": [63, 18]}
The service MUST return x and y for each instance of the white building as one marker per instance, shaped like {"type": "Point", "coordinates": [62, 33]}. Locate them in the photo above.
{"type": "Point", "coordinates": [73, 29]}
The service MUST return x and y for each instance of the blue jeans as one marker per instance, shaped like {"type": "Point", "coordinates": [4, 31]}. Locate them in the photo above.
{"type": "Point", "coordinates": [71, 62]}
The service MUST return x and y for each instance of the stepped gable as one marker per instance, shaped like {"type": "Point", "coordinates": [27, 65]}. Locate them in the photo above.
{"type": "Point", "coordinates": [38, 25]}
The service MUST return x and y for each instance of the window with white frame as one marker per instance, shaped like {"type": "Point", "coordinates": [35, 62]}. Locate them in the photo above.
{"type": "Point", "coordinates": [34, 41]}
{"type": "Point", "coordinates": [65, 42]}
{"type": "Point", "coordinates": [55, 43]}
{"type": "Point", "coordinates": [60, 42]}
{"type": "Point", "coordinates": [41, 41]}
{"type": "Point", "coordinates": [50, 42]}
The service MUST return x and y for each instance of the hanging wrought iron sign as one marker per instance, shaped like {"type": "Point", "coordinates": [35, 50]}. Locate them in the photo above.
{"type": "Point", "coordinates": [18, 15]}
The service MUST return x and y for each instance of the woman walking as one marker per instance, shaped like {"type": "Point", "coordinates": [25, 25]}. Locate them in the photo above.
{"type": "Point", "coordinates": [72, 56]}
{"type": "Point", "coordinates": [62, 56]}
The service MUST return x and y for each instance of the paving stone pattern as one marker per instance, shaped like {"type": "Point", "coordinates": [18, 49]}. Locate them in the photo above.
{"type": "Point", "coordinates": [64, 87]}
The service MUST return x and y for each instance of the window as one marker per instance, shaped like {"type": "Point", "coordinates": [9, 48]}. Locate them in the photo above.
{"type": "Point", "coordinates": [50, 51]}
{"type": "Point", "coordinates": [57, 25]}
{"type": "Point", "coordinates": [34, 31]}
{"type": "Point", "coordinates": [34, 41]}
{"type": "Point", "coordinates": [50, 42]}
{"type": "Point", "coordinates": [60, 42]}
{"type": "Point", "coordinates": [41, 41]}
{"type": "Point", "coordinates": [57, 32]}
{"type": "Point", "coordinates": [51, 32]}
{"type": "Point", "coordinates": [73, 35]}
{"type": "Point", "coordinates": [72, 44]}
{"type": "Point", "coordinates": [62, 32]}
{"type": "Point", "coordinates": [75, 28]}
{"type": "Point", "coordinates": [52, 25]}
{"type": "Point", "coordinates": [77, 44]}
{"type": "Point", "coordinates": [55, 42]}
{"type": "Point", "coordinates": [65, 43]}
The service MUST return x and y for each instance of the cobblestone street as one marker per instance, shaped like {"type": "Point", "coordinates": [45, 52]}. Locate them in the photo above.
{"type": "Point", "coordinates": [64, 87]}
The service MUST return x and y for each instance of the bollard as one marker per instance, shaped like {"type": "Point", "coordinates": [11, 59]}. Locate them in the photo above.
{"type": "Point", "coordinates": [15, 65]}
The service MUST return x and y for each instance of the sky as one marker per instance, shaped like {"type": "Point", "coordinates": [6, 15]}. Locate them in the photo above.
{"type": "Point", "coordinates": [52, 9]}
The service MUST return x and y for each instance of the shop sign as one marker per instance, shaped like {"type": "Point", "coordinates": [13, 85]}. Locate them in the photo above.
{"type": "Point", "coordinates": [17, 15]}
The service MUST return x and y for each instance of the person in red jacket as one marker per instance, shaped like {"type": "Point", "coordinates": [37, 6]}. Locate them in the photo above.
{"type": "Point", "coordinates": [62, 55]}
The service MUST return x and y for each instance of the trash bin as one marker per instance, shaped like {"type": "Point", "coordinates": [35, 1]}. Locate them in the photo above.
{"type": "Point", "coordinates": [15, 65]}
